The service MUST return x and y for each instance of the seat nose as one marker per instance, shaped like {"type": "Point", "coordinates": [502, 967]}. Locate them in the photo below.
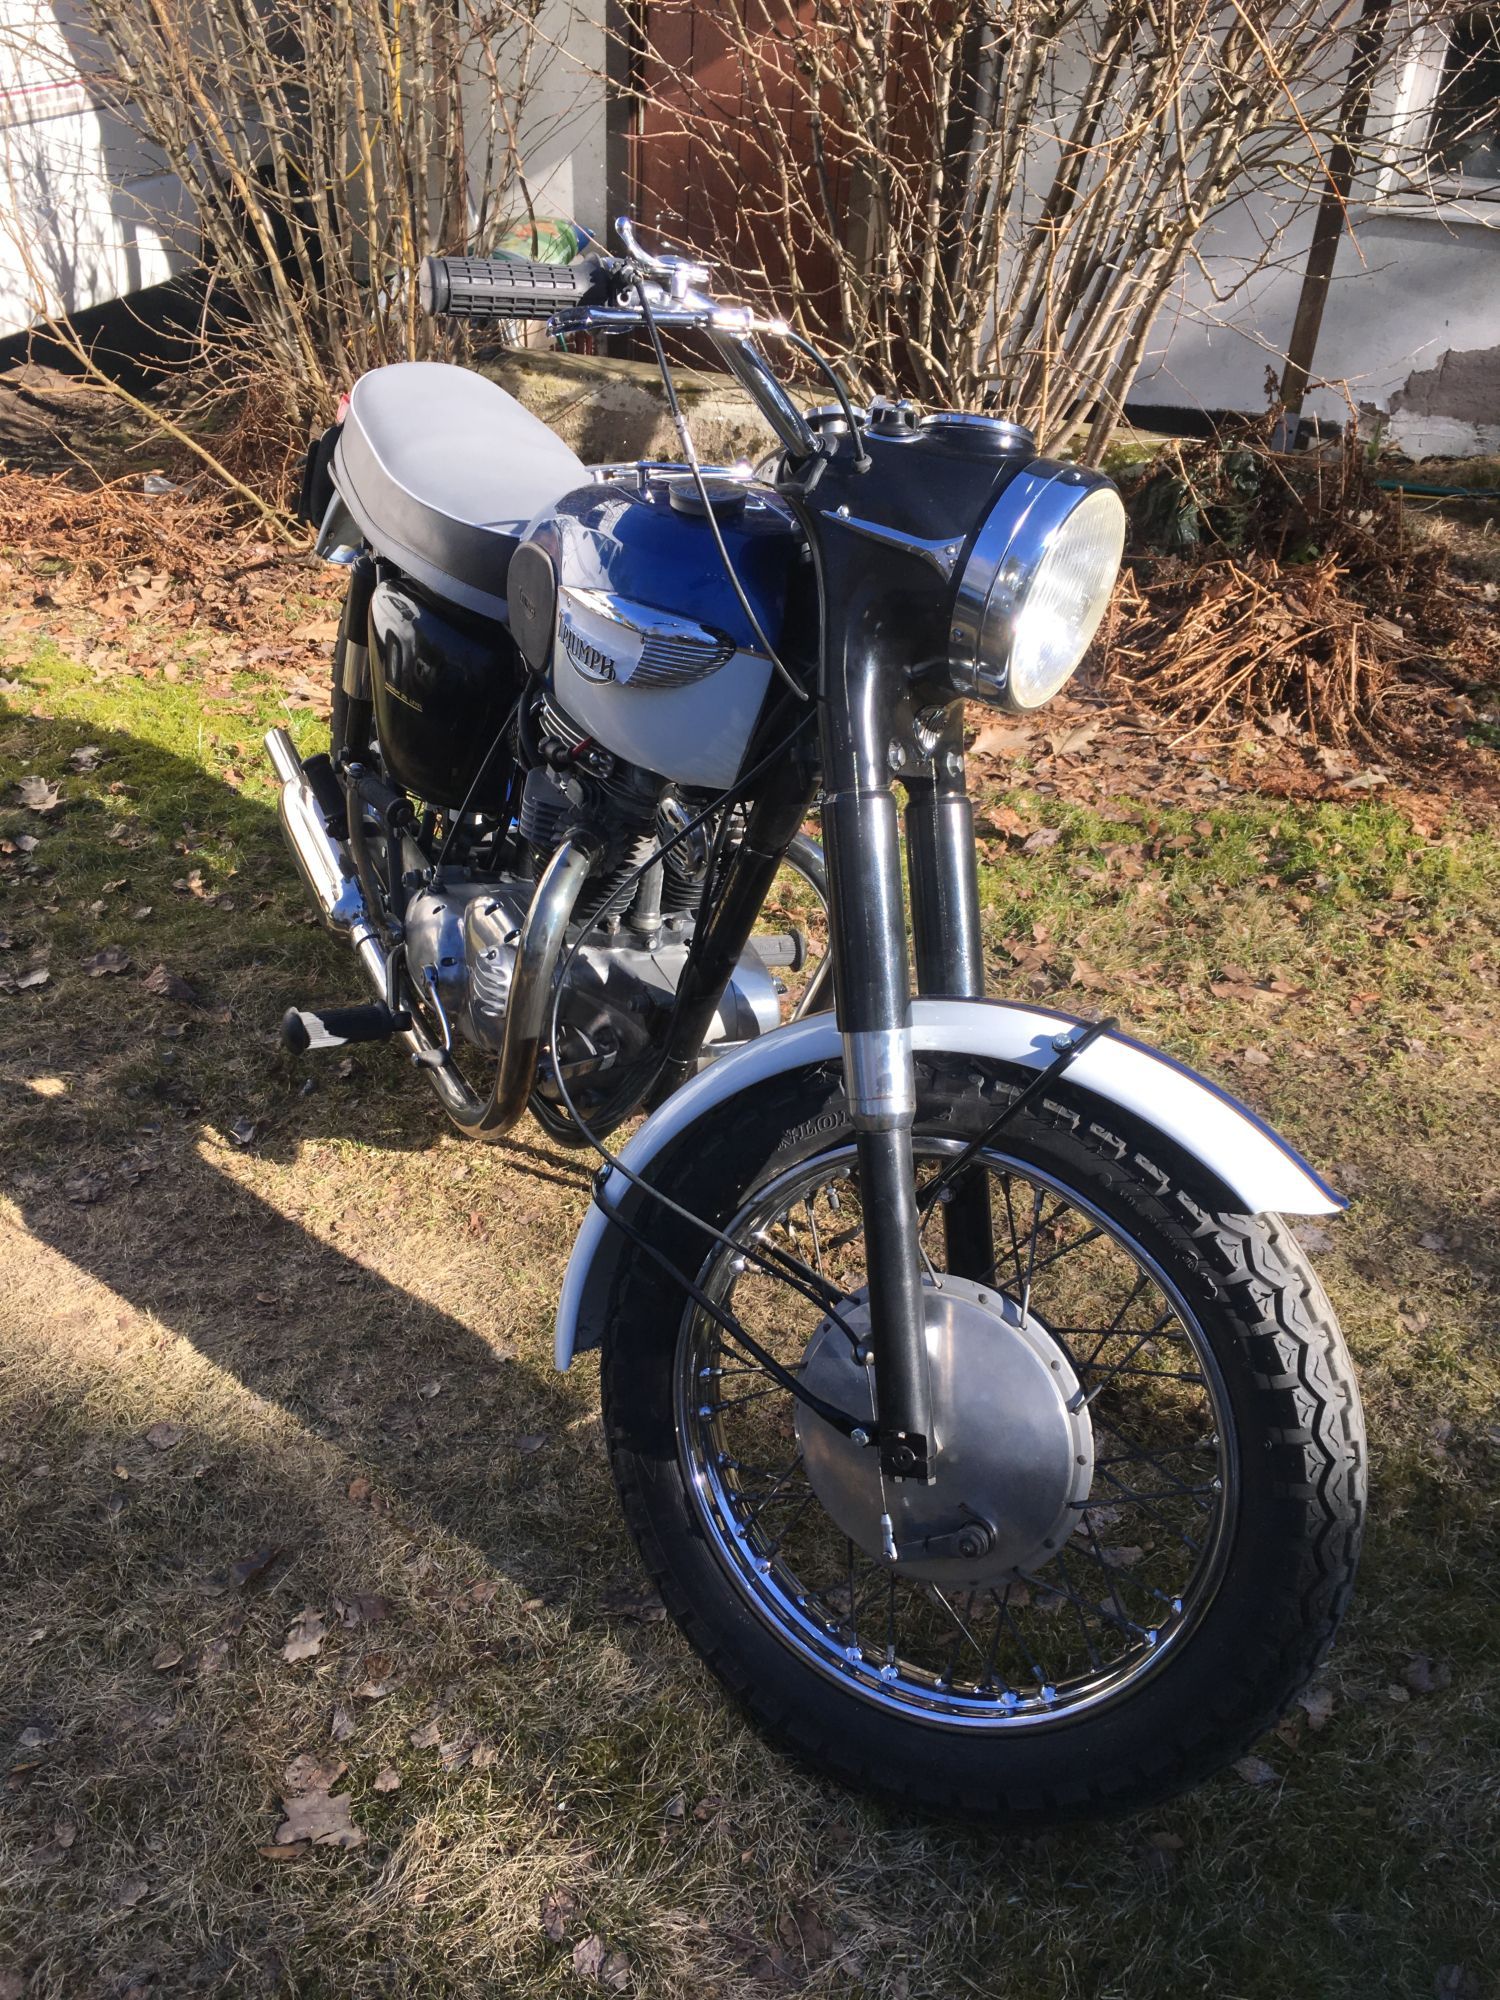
{"type": "Point", "coordinates": [442, 470]}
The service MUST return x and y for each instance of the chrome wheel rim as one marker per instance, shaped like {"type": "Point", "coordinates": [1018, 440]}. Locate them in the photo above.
{"type": "Point", "coordinates": [1078, 1632]}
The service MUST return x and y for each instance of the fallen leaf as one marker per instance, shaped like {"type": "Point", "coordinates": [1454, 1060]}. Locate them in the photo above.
{"type": "Point", "coordinates": [1424, 1675]}
{"type": "Point", "coordinates": [288, 1851]}
{"type": "Point", "coordinates": [1043, 838]}
{"type": "Point", "coordinates": [131, 1891]}
{"type": "Point", "coordinates": [37, 976]}
{"type": "Point", "coordinates": [1317, 1703]}
{"type": "Point", "coordinates": [455, 1755]}
{"type": "Point", "coordinates": [1430, 1240]}
{"type": "Point", "coordinates": [594, 1961]}
{"type": "Point", "coordinates": [36, 1736]}
{"type": "Point", "coordinates": [483, 1592]}
{"type": "Point", "coordinates": [709, 1807]}
{"type": "Point", "coordinates": [85, 758]}
{"type": "Point", "coordinates": [483, 1757]}
{"type": "Point", "coordinates": [636, 1602]}
{"type": "Point", "coordinates": [318, 632]}
{"type": "Point", "coordinates": [341, 1723]}
{"type": "Point", "coordinates": [527, 1445]}
{"type": "Point", "coordinates": [166, 1657]}
{"type": "Point", "coordinates": [768, 1965]}
{"type": "Point", "coordinates": [306, 1636]}
{"type": "Point", "coordinates": [1068, 742]}
{"type": "Point", "coordinates": [1255, 1770]}
{"type": "Point", "coordinates": [213, 1656]}
{"type": "Point", "coordinates": [372, 1690]}
{"type": "Point", "coordinates": [170, 986]}
{"type": "Point", "coordinates": [559, 1908]}
{"type": "Point", "coordinates": [387, 1780]}
{"type": "Point", "coordinates": [801, 1929]}
{"type": "Point", "coordinates": [1313, 1238]}
{"type": "Point", "coordinates": [162, 1437]}
{"type": "Point", "coordinates": [1001, 739]}
{"type": "Point", "coordinates": [365, 1609]}
{"type": "Point", "coordinates": [39, 795]}
{"type": "Point", "coordinates": [359, 1488]}
{"type": "Point", "coordinates": [1121, 1558]}
{"type": "Point", "coordinates": [308, 1772]}
{"type": "Point", "coordinates": [320, 1817]}
{"type": "Point", "coordinates": [425, 1736]}
{"type": "Point", "coordinates": [251, 1571]}
{"type": "Point", "coordinates": [244, 1131]}
{"type": "Point", "coordinates": [104, 964]}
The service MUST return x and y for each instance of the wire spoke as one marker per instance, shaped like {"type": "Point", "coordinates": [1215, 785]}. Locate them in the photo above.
{"type": "Point", "coordinates": [1066, 1625]}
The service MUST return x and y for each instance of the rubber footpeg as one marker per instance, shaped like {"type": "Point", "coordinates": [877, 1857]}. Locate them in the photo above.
{"type": "Point", "coordinates": [301, 1029]}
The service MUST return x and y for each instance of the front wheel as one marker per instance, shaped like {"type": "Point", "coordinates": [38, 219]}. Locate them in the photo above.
{"type": "Point", "coordinates": [1145, 1403]}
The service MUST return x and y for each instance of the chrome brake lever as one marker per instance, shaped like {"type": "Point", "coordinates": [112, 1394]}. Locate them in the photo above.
{"type": "Point", "coordinates": [680, 275]}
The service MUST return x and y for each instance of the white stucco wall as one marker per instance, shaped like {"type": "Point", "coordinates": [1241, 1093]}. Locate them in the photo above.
{"type": "Point", "coordinates": [562, 128]}
{"type": "Point", "coordinates": [1415, 293]}
{"type": "Point", "coordinates": [87, 211]}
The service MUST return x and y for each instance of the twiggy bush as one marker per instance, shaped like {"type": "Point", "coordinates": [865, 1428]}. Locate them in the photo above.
{"type": "Point", "coordinates": [325, 149]}
{"type": "Point", "coordinates": [993, 199]}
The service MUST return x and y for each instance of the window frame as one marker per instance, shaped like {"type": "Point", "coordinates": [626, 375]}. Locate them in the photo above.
{"type": "Point", "coordinates": [1404, 108]}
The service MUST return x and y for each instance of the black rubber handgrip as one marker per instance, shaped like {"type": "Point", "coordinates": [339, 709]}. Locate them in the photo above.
{"type": "Point", "coordinates": [500, 287]}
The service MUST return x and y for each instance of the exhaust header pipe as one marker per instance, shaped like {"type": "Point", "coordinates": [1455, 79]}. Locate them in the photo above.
{"type": "Point", "coordinates": [329, 878]}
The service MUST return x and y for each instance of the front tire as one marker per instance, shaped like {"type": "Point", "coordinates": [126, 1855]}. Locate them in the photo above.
{"type": "Point", "coordinates": [1215, 1553]}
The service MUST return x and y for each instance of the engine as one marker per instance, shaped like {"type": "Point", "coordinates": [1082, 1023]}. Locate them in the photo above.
{"type": "Point", "coordinates": [463, 928]}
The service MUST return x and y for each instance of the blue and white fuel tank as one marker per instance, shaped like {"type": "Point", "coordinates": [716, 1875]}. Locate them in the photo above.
{"type": "Point", "coordinates": [619, 593]}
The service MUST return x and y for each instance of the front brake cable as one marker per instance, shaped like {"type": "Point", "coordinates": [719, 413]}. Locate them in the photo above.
{"type": "Point", "coordinates": [1067, 1054]}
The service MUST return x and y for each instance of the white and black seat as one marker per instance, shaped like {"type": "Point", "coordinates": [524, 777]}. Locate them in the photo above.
{"type": "Point", "coordinates": [441, 470]}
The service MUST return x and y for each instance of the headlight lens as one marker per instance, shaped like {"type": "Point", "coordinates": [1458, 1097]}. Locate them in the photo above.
{"type": "Point", "coordinates": [1036, 585]}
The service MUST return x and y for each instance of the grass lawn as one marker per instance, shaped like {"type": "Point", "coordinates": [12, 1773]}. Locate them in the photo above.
{"type": "Point", "coordinates": [277, 1362]}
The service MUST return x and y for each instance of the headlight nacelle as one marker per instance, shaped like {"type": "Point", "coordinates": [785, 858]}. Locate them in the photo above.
{"type": "Point", "coordinates": [1036, 585]}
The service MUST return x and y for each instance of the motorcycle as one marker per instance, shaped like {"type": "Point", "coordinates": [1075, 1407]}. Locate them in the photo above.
{"type": "Point", "coordinates": [975, 1411]}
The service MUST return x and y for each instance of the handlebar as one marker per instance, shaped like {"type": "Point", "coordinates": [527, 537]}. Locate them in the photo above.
{"type": "Point", "coordinates": [668, 291]}
{"type": "Point", "coordinates": [503, 287]}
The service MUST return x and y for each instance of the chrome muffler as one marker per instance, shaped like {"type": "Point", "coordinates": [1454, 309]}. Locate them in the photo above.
{"type": "Point", "coordinates": [328, 874]}
{"type": "Point", "coordinates": [326, 871]}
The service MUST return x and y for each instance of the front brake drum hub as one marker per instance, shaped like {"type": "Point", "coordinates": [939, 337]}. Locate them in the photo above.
{"type": "Point", "coordinates": [1015, 1447]}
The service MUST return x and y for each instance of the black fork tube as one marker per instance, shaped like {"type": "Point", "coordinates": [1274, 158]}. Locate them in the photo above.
{"type": "Point", "coordinates": [944, 876]}
{"type": "Point", "coordinates": [872, 996]}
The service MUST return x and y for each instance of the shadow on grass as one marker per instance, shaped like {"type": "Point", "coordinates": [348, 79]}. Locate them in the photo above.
{"type": "Point", "coordinates": [117, 1168]}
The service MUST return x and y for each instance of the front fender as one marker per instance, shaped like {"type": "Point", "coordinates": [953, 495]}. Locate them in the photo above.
{"type": "Point", "coordinates": [1258, 1170]}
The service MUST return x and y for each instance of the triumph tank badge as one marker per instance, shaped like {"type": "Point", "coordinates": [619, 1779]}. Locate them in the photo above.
{"type": "Point", "coordinates": [609, 638]}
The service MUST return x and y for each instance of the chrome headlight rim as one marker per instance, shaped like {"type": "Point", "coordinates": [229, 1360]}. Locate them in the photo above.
{"type": "Point", "coordinates": [1013, 541]}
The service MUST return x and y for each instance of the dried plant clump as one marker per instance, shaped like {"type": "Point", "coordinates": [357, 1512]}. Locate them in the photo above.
{"type": "Point", "coordinates": [1262, 584]}
{"type": "Point", "coordinates": [1249, 638]}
